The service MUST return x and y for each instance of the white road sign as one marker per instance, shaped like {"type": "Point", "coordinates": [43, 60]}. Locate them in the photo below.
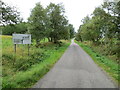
{"type": "Point", "coordinates": [22, 38]}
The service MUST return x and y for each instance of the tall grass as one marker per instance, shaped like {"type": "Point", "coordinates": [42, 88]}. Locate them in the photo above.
{"type": "Point", "coordinates": [23, 71]}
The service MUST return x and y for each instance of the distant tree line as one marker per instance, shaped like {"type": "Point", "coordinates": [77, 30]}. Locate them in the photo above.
{"type": "Point", "coordinates": [103, 27]}
{"type": "Point", "coordinates": [49, 22]}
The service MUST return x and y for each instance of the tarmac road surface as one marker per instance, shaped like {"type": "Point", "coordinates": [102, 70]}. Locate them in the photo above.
{"type": "Point", "coordinates": [75, 69]}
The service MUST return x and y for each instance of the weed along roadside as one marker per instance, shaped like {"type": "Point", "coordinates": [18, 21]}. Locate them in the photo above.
{"type": "Point", "coordinates": [27, 70]}
{"type": "Point", "coordinates": [110, 66]}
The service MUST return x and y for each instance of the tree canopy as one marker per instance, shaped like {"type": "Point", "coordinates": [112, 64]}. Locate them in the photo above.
{"type": "Point", "coordinates": [9, 14]}
{"type": "Point", "coordinates": [49, 22]}
{"type": "Point", "coordinates": [103, 27]}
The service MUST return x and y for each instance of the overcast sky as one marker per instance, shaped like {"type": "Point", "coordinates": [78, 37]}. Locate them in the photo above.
{"type": "Point", "coordinates": [76, 10]}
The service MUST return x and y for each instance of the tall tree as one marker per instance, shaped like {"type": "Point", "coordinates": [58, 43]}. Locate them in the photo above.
{"type": "Point", "coordinates": [71, 30]}
{"type": "Point", "coordinates": [58, 22]}
{"type": "Point", "coordinates": [37, 23]}
{"type": "Point", "coordinates": [9, 14]}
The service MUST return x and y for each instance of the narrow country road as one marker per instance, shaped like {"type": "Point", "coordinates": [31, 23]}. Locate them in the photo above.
{"type": "Point", "coordinates": [75, 69]}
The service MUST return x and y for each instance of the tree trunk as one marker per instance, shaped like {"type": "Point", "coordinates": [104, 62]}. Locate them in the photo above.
{"type": "Point", "coordinates": [49, 39]}
{"type": "Point", "coordinates": [55, 40]}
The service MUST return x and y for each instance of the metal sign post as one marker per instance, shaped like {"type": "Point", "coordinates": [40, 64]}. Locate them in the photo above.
{"type": "Point", "coordinates": [15, 48]}
{"type": "Point", "coordinates": [15, 53]}
{"type": "Point", "coordinates": [28, 49]}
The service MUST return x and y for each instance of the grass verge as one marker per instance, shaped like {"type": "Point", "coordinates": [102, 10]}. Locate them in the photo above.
{"type": "Point", "coordinates": [110, 66]}
{"type": "Point", "coordinates": [26, 70]}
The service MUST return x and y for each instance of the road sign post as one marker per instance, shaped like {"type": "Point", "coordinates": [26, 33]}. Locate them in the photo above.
{"type": "Point", "coordinates": [21, 39]}
{"type": "Point", "coordinates": [28, 49]}
{"type": "Point", "coordinates": [15, 48]}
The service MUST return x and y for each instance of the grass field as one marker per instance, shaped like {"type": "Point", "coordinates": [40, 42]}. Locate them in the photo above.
{"type": "Point", "coordinates": [22, 71]}
{"type": "Point", "coordinates": [110, 66]}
